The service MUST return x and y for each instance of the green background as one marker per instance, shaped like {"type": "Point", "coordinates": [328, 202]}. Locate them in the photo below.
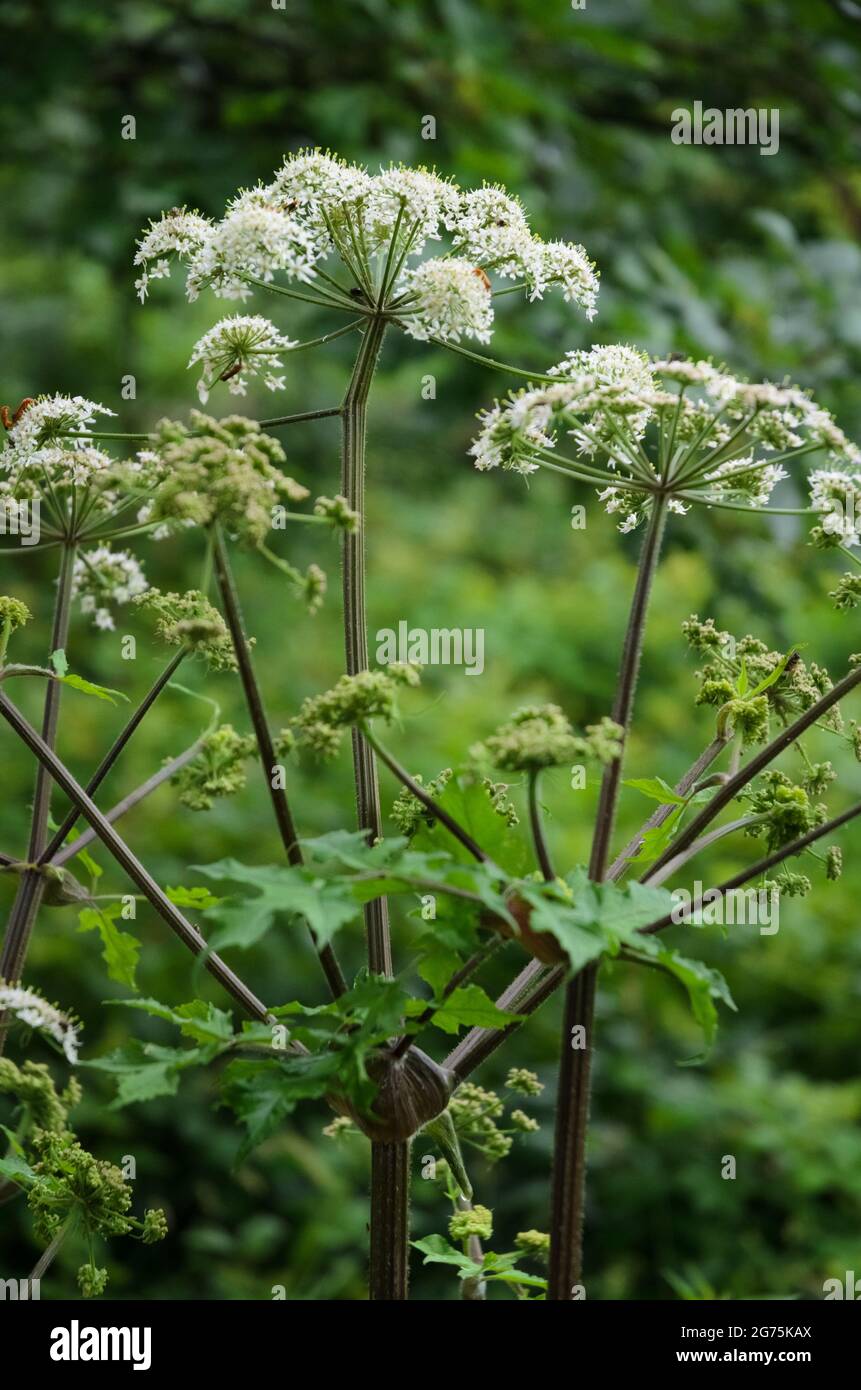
{"type": "Point", "coordinates": [709, 250]}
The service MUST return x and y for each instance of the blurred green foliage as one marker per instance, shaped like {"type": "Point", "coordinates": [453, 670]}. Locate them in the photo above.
{"type": "Point", "coordinates": [709, 250]}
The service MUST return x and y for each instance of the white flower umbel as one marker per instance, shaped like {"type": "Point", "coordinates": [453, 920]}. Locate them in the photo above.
{"type": "Point", "coordinates": [52, 419]}
{"type": "Point", "coordinates": [34, 1011]}
{"type": "Point", "coordinates": [176, 233]}
{"type": "Point", "coordinates": [378, 226]}
{"type": "Point", "coordinates": [236, 348]}
{"type": "Point", "coordinates": [690, 429]}
{"type": "Point", "coordinates": [103, 578]}
{"type": "Point", "coordinates": [254, 241]}
{"type": "Point", "coordinates": [447, 299]}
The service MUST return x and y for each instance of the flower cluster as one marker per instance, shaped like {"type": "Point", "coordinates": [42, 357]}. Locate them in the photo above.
{"type": "Point", "coordinates": [31, 1009]}
{"type": "Point", "coordinates": [535, 1244]}
{"type": "Point", "coordinates": [475, 1112]}
{"type": "Point", "coordinates": [220, 470]}
{"type": "Point", "coordinates": [691, 428]}
{"type": "Point", "coordinates": [318, 206]}
{"type": "Point", "coordinates": [447, 299]}
{"type": "Point", "coordinates": [540, 736]}
{"type": "Point", "coordinates": [13, 615]}
{"type": "Point", "coordinates": [338, 512]}
{"type": "Point", "coordinates": [33, 1087]}
{"type": "Point", "coordinates": [104, 578]}
{"type": "Point", "coordinates": [525, 1082]}
{"type": "Point", "coordinates": [737, 667]}
{"type": "Point", "coordinates": [217, 770]}
{"type": "Point", "coordinates": [237, 348]}
{"type": "Point", "coordinates": [322, 719]}
{"type": "Point", "coordinates": [408, 813]}
{"type": "Point", "coordinates": [786, 809]}
{"type": "Point", "coordinates": [50, 444]}
{"type": "Point", "coordinates": [475, 1221]}
{"type": "Point", "coordinates": [190, 620]}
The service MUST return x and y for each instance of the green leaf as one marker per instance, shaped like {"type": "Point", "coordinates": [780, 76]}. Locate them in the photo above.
{"type": "Point", "coordinates": [775, 675]}
{"type": "Point", "coordinates": [101, 692]}
{"type": "Point", "coordinates": [657, 789]}
{"type": "Point", "coordinates": [438, 1251]}
{"type": "Point", "coordinates": [705, 987]}
{"type": "Point", "coordinates": [144, 1070]}
{"type": "Point", "coordinates": [467, 801]}
{"type": "Point", "coordinates": [326, 904]}
{"type": "Point", "coordinates": [200, 1021]}
{"type": "Point", "coordinates": [120, 950]}
{"type": "Point", "coordinates": [198, 898]}
{"type": "Point", "coordinates": [656, 839]}
{"type": "Point", "coordinates": [470, 1007]}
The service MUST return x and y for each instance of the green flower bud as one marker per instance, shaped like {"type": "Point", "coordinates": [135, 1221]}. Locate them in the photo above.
{"type": "Point", "coordinates": [477, 1221]}
{"type": "Point", "coordinates": [523, 1081]}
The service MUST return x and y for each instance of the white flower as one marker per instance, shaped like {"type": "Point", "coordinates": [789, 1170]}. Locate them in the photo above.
{"type": "Point", "coordinates": [253, 241]}
{"type": "Point", "coordinates": [447, 299]}
{"type": "Point", "coordinates": [236, 348]}
{"type": "Point", "coordinates": [419, 201]}
{"type": "Point", "coordinates": [102, 577]}
{"type": "Point", "coordinates": [492, 231]}
{"type": "Point", "coordinates": [177, 232]}
{"type": "Point", "coordinates": [51, 418]}
{"type": "Point", "coordinates": [739, 479]}
{"type": "Point", "coordinates": [30, 1008]}
{"type": "Point", "coordinates": [51, 441]}
{"type": "Point", "coordinates": [561, 263]}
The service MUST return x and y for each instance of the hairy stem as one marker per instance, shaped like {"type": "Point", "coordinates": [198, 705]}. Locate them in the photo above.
{"type": "Point", "coordinates": [139, 794]}
{"type": "Point", "coordinates": [353, 436]}
{"type": "Point", "coordinates": [59, 838]}
{"type": "Point", "coordinates": [188, 934]}
{"type": "Point", "coordinates": [390, 1221]}
{"type": "Point", "coordinates": [260, 724]}
{"type": "Point", "coordinates": [572, 1107]}
{"type": "Point", "coordinates": [32, 886]}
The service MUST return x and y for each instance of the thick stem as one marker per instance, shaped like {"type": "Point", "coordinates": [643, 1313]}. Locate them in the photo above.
{"type": "Point", "coordinates": [167, 910]}
{"type": "Point", "coordinates": [353, 434]}
{"type": "Point", "coordinates": [260, 724]}
{"type": "Point", "coordinates": [59, 838]}
{"type": "Point", "coordinates": [32, 885]}
{"type": "Point", "coordinates": [572, 1106]}
{"type": "Point", "coordinates": [390, 1221]}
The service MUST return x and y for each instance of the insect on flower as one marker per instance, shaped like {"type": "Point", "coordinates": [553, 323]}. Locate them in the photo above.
{"type": "Point", "coordinates": [10, 419]}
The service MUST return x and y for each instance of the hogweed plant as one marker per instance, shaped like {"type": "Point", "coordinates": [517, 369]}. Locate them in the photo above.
{"type": "Point", "coordinates": [401, 251]}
